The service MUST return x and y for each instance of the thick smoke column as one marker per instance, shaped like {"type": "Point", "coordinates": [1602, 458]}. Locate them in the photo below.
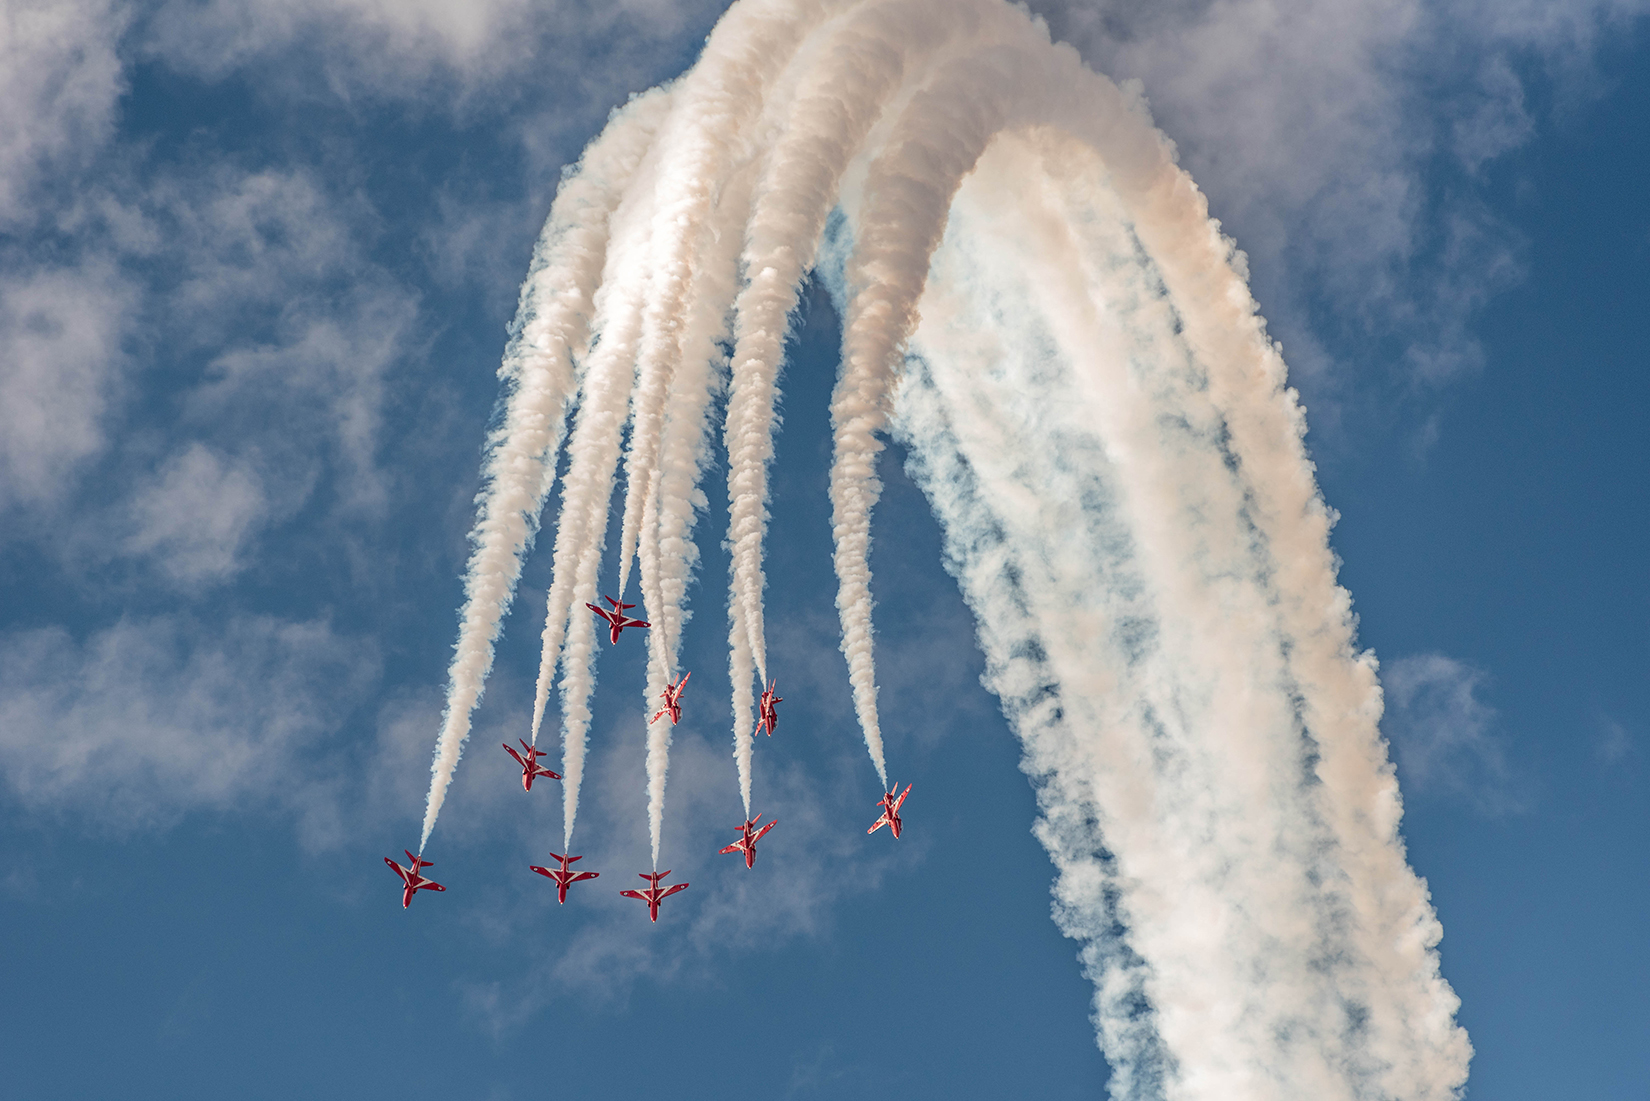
{"type": "Point", "coordinates": [1035, 299]}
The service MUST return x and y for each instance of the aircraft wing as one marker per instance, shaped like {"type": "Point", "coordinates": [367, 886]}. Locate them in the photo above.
{"type": "Point", "coordinates": [584, 875]}
{"type": "Point", "coordinates": [541, 871]}
{"type": "Point", "coordinates": [880, 822]}
{"type": "Point", "coordinates": [635, 895]}
{"type": "Point", "coordinates": [516, 755]}
{"type": "Point", "coordinates": [765, 829]}
{"type": "Point", "coordinates": [737, 846]}
{"type": "Point", "coordinates": [673, 888]}
{"type": "Point", "coordinates": [429, 885]}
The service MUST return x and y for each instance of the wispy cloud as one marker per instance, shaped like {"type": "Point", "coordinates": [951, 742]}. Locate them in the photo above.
{"type": "Point", "coordinates": [386, 48]}
{"type": "Point", "coordinates": [60, 370]}
{"type": "Point", "coordinates": [1614, 745]}
{"type": "Point", "coordinates": [144, 721]}
{"type": "Point", "coordinates": [1338, 138]}
{"type": "Point", "coordinates": [60, 80]}
{"type": "Point", "coordinates": [196, 516]}
{"type": "Point", "coordinates": [248, 299]}
{"type": "Point", "coordinates": [1444, 734]}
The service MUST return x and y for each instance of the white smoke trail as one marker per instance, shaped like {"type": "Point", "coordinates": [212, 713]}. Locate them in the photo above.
{"type": "Point", "coordinates": [719, 103]}
{"type": "Point", "coordinates": [1397, 1029]}
{"type": "Point", "coordinates": [581, 535]}
{"type": "Point", "coordinates": [1168, 625]}
{"type": "Point", "coordinates": [1105, 433]}
{"type": "Point", "coordinates": [551, 324]}
{"type": "Point", "coordinates": [581, 527]}
{"type": "Point", "coordinates": [1414, 1038]}
{"type": "Point", "coordinates": [668, 552]}
{"type": "Point", "coordinates": [717, 164]}
{"type": "Point", "coordinates": [645, 295]}
{"type": "Point", "coordinates": [907, 193]}
{"type": "Point", "coordinates": [841, 99]}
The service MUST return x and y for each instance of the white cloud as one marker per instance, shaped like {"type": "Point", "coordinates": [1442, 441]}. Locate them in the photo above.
{"type": "Point", "coordinates": [60, 369]}
{"type": "Point", "coordinates": [1319, 127]}
{"type": "Point", "coordinates": [393, 39]}
{"type": "Point", "coordinates": [1493, 119]}
{"type": "Point", "coordinates": [1443, 733]}
{"type": "Point", "coordinates": [59, 83]}
{"type": "Point", "coordinates": [315, 392]}
{"type": "Point", "coordinates": [255, 237]}
{"type": "Point", "coordinates": [1614, 745]}
{"type": "Point", "coordinates": [196, 515]}
{"type": "Point", "coordinates": [148, 719]}
{"type": "Point", "coordinates": [397, 47]}
{"type": "Point", "coordinates": [248, 300]}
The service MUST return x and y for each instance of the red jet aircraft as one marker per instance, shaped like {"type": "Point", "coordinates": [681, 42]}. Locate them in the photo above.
{"type": "Point", "coordinates": [654, 894]}
{"type": "Point", "coordinates": [769, 718]}
{"type": "Point", "coordinates": [890, 810]}
{"type": "Point", "coordinates": [411, 880]}
{"type": "Point", "coordinates": [564, 876]}
{"type": "Point", "coordinates": [673, 702]}
{"type": "Point", "coordinates": [616, 619]}
{"type": "Point", "coordinates": [749, 836]}
{"type": "Point", "coordinates": [530, 767]}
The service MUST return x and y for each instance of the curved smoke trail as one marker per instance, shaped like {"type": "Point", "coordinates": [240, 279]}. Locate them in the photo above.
{"type": "Point", "coordinates": [842, 98]}
{"type": "Point", "coordinates": [551, 323]}
{"type": "Point", "coordinates": [1033, 297]}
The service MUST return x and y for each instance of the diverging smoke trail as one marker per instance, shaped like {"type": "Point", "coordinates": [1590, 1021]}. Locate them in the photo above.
{"type": "Point", "coordinates": [550, 327]}
{"type": "Point", "coordinates": [1033, 294]}
{"type": "Point", "coordinates": [661, 314]}
{"type": "Point", "coordinates": [858, 72]}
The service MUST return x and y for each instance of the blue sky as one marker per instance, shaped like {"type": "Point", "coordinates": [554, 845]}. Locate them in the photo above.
{"type": "Point", "coordinates": [256, 261]}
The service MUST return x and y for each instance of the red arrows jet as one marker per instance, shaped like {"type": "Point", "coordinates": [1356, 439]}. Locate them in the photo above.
{"type": "Point", "coordinates": [749, 836]}
{"type": "Point", "coordinates": [769, 719]}
{"type": "Point", "coordinates": [673, 702]}
{"type": "Point", "coordinates": [530, 767]}
{"type": "Point", "coordinates": [654, 894]}
{"type": "Point", "coordinates": [616, 619]}
{"type": "Point", "coordinates": [890, 810]}
{"type": "Point", "coordinates": [411, 880]}
{"type": "Point", "coordinates": [564, 876]}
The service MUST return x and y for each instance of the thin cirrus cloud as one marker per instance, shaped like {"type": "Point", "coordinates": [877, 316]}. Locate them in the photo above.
{"type": "Point", "coordinates": [1322, 130]}
{"type": "Point", "coordinates": [59, 79]}
{"type": "Point", "coordinates": [1614, 744]}
{"type": "Point", "coordinates": [397, 49]}
{"type": "Point", "coordinates": [1444, 734]}
{"type": "Point", "coordinates": [196, 516]}
{"type": "Point", "coordinates": [60, 370]}
{"type": "Point", "coordinates": [146, 719]}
